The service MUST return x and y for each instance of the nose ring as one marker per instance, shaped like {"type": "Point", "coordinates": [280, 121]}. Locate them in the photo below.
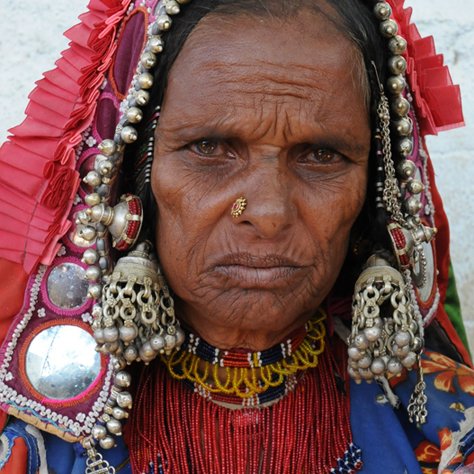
{"type": "Point", "coordinates": [238, 207]}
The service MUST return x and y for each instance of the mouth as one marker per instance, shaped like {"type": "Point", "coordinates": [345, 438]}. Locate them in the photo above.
{"type": "Point", "coordinates": [250, 271]}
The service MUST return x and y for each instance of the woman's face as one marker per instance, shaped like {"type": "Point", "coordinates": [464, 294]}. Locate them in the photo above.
{"type": "Point", "coordinates": [273, 111]}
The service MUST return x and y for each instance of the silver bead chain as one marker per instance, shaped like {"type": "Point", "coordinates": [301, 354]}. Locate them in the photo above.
{"type": "Point", "coordinates": [91, 225]}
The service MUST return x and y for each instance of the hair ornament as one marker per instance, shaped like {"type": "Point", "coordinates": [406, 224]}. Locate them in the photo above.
{"type": "Point", "coordinates": [133, 318]}
{"type": "Point", "coordinates": [387, 338]}
{"type": "Point", "coordinates": [127, 309]}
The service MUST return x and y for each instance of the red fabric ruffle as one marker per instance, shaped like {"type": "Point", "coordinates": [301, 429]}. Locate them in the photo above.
{"type": "Point", "coordinates": [38, 179]}
{"type": "Point", "coordinates": [12, 293]}
{"type": "Point", "coordinates": [437, 100]}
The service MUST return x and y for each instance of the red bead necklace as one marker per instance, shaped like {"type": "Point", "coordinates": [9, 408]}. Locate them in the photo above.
{"type": "Point", "coordinates": [173, 430]}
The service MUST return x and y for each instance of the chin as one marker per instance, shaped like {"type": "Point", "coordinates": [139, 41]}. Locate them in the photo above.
{"type": "Point", "coordinates": [254, 319]}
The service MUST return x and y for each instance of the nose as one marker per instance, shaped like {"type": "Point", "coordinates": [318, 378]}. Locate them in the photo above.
{"type": "Point", "coordinates": [270, 210]}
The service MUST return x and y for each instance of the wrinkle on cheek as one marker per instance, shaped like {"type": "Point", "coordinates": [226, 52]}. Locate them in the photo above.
{"type": "Point", "coordinates": [341, 199]}
{"type": "Point", "coordinates": [176, 191]}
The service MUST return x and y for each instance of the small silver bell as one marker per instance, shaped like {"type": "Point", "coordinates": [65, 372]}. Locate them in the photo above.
{"type": "Point", "coordinates": [397, 65]}
{"type": "Point", "coordinates": [172, 7]}
{"type": "Point", "coordinates": [145, 80]}
{"type": "Point", "coordinates": [114, 426]}
{"type": "Point", "coordinates": [378, 366]}
{"type": "Point", "coordinates": [406, 168]}
{"type": "Point", "coordinates": [405, 146]}
{"type": "Point", "coordinates": [401, 106]}
{"type": "Point", "coordinates": [119, 413]}
{"type": "Point", "coordinates": [92, 178]}
{"type": "Point", "coordinates": [388, 28]}
{"type": "Point", "coordinates": [354, 353]}
{"type": "Point", "coordinates": [148, 59]}
{"type": "Point", "coordinates": [382, 10]}
{"type": "Point", "coordinates": [90, 256]}
{"type": "Point", "coordinates": [402, 338]}
{"type": "Point", "coordinates": [122, 379]}
{"type": "Point", "coordinates": [397, 45]}
{"type": "Point", "coordinates": [108, 147]}
{"type": "Point", "coordinates": [128, 333]}
{"type": "Point", "coordinates": [94, 291]}
{"type": "Point", "coordinates": [130, 354]}
{"type": "Point", "coordinates": [124, 400]}
{"type": "Point", "coordinates": [142, 97]}
{"type": "Point", "coordinates": [110, 334]}
{"type": "Point", "coordinates": [129, 134]}
{"type": "Point", "coordinates": [361, 342]}
{"type": "Point", "coordinates": [396, 84]}
{"type": "Point", "coordinates": [394, 366]}
{"type": "Point", "coordinates": [164, 24]}
{"type": "Point", "coordinates": [134, 115]}
{"type": "Point", "coordinates": [365, 362]}
{"type": "Point", "coordinates": [155, 43]}
{"type": "Point", "coordinates": [157, 343]}
{"type": "Point", "coordinates": [107, 443]}
{"type": "Point", "coordinates": [92, 199]}
{"type": "Point", "coordinates": [99, 432]}
{"type": "Point", "coordinates": [93, 273]}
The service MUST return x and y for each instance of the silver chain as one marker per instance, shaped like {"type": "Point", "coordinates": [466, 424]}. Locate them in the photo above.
{"type": "Point", "coordinates": [417, 411]}
{"type": "Point", "coordinates": [391, 192]}
{"type": "Point", "coordinates": [96, 464]}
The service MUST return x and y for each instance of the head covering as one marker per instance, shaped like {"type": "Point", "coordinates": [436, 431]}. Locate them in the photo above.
{"type": "Point", "coordinates": [73, 109]}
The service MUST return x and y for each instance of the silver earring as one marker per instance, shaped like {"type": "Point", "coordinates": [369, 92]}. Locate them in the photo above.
{"type": "Point", "coordinates": [386, 336]}
{"type": "Point", "coordinates": [137, 321]}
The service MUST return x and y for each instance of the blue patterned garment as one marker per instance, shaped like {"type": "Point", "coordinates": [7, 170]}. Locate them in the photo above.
{"type": "Point", "coordinates": [389, 443]}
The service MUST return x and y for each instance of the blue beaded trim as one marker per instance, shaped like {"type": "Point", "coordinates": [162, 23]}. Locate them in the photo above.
{"type": "Point", "coordinates": [159, 465]}
{"type": "Point", "coordinates": [213, 355]}
{"type": "Point", "coordinates": [350, 463]}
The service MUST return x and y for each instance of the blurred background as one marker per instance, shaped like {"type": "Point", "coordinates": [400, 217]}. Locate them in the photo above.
{"type": "Point", "coordinates": [31, 40]}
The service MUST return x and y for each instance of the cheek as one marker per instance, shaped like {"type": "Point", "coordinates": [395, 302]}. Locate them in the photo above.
{"type": "Point", "coordinates": [178, 194]}
{"type": "Point", "coordinates": [170, 194]}
{"type": "Point", "coordinates": [171, 188]}
{"type": "Point", "coordinates": [335, 207]}
{"type": "Point", "coordinates": [329, 225]}
{"type": "Point", "coordinates": [187, 212]}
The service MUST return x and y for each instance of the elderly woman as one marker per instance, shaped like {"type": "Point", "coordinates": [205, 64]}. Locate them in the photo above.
{"type": "Point", "coordinates": [270, 156]}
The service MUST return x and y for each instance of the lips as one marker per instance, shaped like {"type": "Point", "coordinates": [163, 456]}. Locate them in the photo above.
{"type": "Point", "coordinates": [251, 271]}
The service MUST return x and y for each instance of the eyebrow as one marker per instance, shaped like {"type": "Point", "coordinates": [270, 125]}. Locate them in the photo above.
{"type": "Point", "coordinates": [194, 130]}
{"type": "Point", "coordinates": [345, 145]}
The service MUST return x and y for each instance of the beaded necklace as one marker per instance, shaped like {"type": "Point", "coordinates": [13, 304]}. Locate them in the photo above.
{"type": "Point", "coordinates": [248, 378]}
{"type": "Point", "coordinates": [173, 429]}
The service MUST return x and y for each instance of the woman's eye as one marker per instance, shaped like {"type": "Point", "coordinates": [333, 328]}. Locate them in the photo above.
{"type": "Point", "coordinates": [323, 155]}
{"type": "Point", "coordinates": [206, 147]}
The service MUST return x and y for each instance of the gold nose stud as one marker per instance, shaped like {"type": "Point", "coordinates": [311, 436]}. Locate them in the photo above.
{"type": "Point", "coordinates": [238, 207]}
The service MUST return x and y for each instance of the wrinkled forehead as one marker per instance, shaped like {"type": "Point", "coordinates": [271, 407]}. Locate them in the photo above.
{"type": "Point", "coordinates": [297, 77]}
{"type": "Point", "coordinates": [265, 55]}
